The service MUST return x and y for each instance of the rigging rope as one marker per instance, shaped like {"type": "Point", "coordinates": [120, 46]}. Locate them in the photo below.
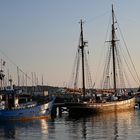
{"type": "Point", "coordinates": [73, 72]}
{"type": "Point", "coordinates": [106, 77]}
{"type": "Point", "coordinates": [129, 54]}
{"type": "Point", "coordinates": [88, 74]}
{"type": "Point", "coordinates": [77, 71]}
{"type": "Point", "coordinates": [15, 64]}
{"type": "Point", "coordinates": [100, 60]}
{"type": "Point", "coordinates": [99, 16]}
{"type": "Point", "coordinates": [120, 67]}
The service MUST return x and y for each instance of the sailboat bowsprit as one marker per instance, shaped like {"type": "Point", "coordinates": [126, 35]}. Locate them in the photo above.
{"type": "Point", "coordinates": [110, 100]}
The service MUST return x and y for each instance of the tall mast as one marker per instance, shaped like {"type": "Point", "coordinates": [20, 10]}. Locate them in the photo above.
{"type": "Point", "coordinates": [82, 45]}
{"type": "Point", "coordinates": [113, 43]}
{"type": "Point", "coordinates": [1, 74]}
{"type": "Point", "coordinates": [18, 77]}
{"type": "Point", "coordinates": [42, 80]}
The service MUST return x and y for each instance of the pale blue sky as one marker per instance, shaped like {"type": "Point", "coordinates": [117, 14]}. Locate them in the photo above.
{"type": "Point", "coordinates": [42, 35]}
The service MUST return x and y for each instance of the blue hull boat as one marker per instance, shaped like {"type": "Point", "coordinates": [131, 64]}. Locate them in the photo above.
{"type": "Point", "coordinates": [29, 112]}
{"type": "Point", "coordinates": [11, 108]}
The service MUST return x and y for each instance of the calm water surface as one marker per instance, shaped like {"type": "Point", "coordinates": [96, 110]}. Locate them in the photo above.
{"type": "Point", "coordinates": [116, 126]}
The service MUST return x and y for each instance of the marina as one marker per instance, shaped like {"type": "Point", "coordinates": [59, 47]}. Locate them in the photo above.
{"type": "Point", "coordinates": [67, 72]}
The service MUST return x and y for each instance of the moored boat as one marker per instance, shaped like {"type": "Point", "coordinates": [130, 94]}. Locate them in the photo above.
{"type": "Point", "coordinates": [16, 105]}
{"type": "Point", "coordinates": [87, 107]}
{"type": "Point", "coordinates": [13, 110]}
{"type": "Point", "coordinates": [106, 100]}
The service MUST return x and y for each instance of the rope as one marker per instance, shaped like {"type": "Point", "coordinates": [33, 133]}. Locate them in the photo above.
{"type": "Point", "coordinates": [15, 64]}
{"type": "Point", "coordinates": [129, 54]}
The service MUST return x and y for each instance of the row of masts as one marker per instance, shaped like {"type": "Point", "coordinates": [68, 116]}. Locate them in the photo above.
{"type": "Point", "coordinates": [6, 81]}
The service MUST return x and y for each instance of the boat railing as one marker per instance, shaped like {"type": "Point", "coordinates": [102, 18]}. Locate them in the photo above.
{"type": "Point", "coordinates": [25, 105]}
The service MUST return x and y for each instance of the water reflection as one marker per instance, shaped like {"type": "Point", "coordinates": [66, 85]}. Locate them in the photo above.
{"type": "Point", "coordinates": [113, 126]}
{"type": "Point", "coordinates": [110, 126]}
{"type": "Point", "coordinates": [84, 131]}
{"type": "Point", "coordinates": [44, 126]}
{"type": "Point", "coordinates": [18, 129]}
{"type": "Point", "coordinates": [8, 130]}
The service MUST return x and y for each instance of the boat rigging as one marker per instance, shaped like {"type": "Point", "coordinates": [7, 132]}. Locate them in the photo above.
{"type": "Point", "coordinates": [116, 73]}
{"type": "Point", "coordinates": [81, 56]}
{"type": "Point", "coordinates": [108, 99]}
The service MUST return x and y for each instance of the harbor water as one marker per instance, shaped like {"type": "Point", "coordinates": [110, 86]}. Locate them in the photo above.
{"type": "Point", "coordinates": [113, 126]}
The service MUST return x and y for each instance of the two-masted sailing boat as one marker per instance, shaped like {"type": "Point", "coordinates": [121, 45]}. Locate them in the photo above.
{"type": "Point", "coordinates": [112, 101]}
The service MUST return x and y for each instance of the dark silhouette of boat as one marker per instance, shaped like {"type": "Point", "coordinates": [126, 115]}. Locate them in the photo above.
{"type": "Point", "coordinates": [103, 101]}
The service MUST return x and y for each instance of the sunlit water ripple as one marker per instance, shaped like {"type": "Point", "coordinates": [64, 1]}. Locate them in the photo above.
{"type": "Point", "coordinates": [114, 126]}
